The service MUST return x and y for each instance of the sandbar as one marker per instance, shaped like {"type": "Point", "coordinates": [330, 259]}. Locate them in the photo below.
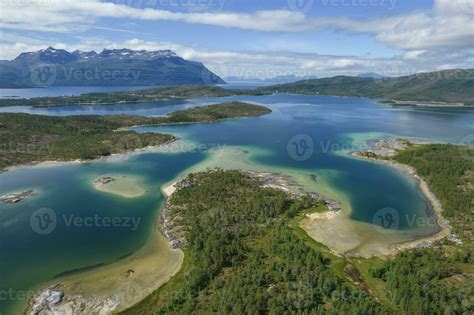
{"type": "Point", "coordinates": [126, 186]}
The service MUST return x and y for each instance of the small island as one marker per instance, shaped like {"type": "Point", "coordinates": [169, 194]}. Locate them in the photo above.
{"type": "Point", "coordinates": [123, 185]}
{"type": "Point", "coordinates": [17, 196]}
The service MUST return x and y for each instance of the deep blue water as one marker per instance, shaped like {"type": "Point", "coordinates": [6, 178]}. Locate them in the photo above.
{"type": "Point", "coordinates": [331, 124]}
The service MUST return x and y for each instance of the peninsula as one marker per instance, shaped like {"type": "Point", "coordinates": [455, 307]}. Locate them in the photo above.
{"type": "Point", "coordinates": [29, 139]}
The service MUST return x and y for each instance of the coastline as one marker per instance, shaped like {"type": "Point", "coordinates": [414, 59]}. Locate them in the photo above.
{"type": "Point", "coordinates": [436, 207]}
{"type": "Point", "coordinates": [394, 103]}
{"type": "Point", "coordinates": [346, 237]}
{"type": "Point", "coordinates": [115, 287]}
{"type": "Point", "coordinates": [52, 163]}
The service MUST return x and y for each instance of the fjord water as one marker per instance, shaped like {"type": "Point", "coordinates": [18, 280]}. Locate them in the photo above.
{"type": "Point", "coordinates": [334, 125]}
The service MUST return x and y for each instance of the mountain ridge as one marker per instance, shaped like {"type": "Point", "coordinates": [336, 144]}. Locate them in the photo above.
{"type": "Point", "coordinates": [110, 67]}
{"type": "Point", "coordinates": [455, 86]}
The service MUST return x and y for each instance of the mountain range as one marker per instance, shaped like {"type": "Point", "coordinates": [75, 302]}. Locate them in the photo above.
{"type": "Point", "coordinates": [454, 86]}
{"type": "Point", "coordinates": [275, 80]}
{"type": "Point", "coordinates": [111, 67]}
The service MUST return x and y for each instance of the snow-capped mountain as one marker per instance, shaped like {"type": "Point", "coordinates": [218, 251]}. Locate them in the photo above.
{"type": "Point", "coordinates": [109, 67]}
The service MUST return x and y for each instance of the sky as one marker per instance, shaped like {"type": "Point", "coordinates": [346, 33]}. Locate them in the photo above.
{"type": "Point", "coordinates": [256, 38]}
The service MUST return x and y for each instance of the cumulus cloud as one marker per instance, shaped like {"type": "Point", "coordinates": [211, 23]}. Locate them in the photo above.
{"type": "Point", "coordinates": [435, 39]}
{"type": "Point", "coordinates": [263, 65]}
{"type": "Point", "coordinates": [448, 24]}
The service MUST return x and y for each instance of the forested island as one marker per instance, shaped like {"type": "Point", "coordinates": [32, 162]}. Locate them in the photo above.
{"type": "Point", "coordinates": [448, 87]}
{"type": "Point", "coordinates": [246, 253]}
{"type": "Point", "coordinates": [439, 88]}
{"type": "Point", "coordinates": [137, 96]}
{"type": "Point", "coordinates": [28, 138]}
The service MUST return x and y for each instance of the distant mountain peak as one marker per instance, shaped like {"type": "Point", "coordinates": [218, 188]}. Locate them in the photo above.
{"type": "Point", "coordinates": [125, 52]}
{"type": "Point", "coordinates": [372, 75]}
{"type": "Point", "coordinates": [128, 66]}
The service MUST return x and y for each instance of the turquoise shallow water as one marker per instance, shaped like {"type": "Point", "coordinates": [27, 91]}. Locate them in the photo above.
{"type": "Point", "coordinates": [328, 126]}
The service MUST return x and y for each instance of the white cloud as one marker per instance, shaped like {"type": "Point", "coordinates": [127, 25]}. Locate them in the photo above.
{"type": "Point", "coordinates": [437, 39]}
{"type": "Point", "coordinates": [448, 24]}
{"type": "Point", "coordinates": [252, 64]}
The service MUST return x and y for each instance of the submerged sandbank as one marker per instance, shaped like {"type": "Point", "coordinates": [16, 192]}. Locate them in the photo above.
{"type": "Point", "coordinates": [111, 288]}
{"type": "Point", "coordinates": [348, 237]}
{"type": "Point", "coordinates": [126, 186]}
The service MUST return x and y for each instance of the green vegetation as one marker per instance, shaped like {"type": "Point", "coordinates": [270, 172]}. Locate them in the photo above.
{"type": "Point", "coordinates": [449, 86]}
{"type": "Point", "coordinates": [212, 113]}
{"type": "Point", "coordinates": [243, 258]}
{"type": "Point", "coordinates": [438, 280]}
{"type": "Point", "coordinates": [140, 96]}
{"type": "Point", "coordinates": [32, 138]}
{"type": "Point", "coordinates": [449, 172]}
{"type": "Point", "coordinates": [247, 254]}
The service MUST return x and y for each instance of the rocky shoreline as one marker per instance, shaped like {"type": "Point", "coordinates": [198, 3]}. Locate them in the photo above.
{"type": "Point", "coordinates": [176, 233]}
{"type": "Point", "coordinates": [53, 301]}
{"type": "Point", "coordinates": [17, 197]}
{"type": "Point", "coordinates": [382, 151]}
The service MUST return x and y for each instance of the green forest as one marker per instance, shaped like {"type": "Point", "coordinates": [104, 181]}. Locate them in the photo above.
{"type": "Point", "coordinates": [439, 279]}
{"type": "Point", "coordinates": [242, 257]}
{"type": "Point", "coordinates": [28, 138]}
{"type": "Point", "coordinates": [137, 96]}
{"type": "Point", "coordinates": [247, 255]}
{"type": "Point", "coordinates": [447, 86]}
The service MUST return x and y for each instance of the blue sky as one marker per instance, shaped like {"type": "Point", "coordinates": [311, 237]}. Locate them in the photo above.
{"type": "Point", "coordinates": [256, 38]}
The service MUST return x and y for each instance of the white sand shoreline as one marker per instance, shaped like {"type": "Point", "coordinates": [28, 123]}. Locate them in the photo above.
{"type": "Point", "coordinates": [115, 287]}
{"type": "Point", "coordinates": [437, 209]}
{"type": "Point", "coordinates": [126, 186]}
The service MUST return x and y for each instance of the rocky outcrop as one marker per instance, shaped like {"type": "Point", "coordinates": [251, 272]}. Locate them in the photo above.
{"type": "Point", "coordinates": [17, 197]}
{"type": "Point", "coordinates": [388, 147]}
{"type": "Point", "coordinates": [169, 223]}
{"type": "Point", "coordinates": [53, 301]}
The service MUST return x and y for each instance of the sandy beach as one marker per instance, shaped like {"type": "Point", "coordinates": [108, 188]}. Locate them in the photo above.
{"type": "Point", "coordinates": [113, 288]}
{"type": "Point", "coordinates": [444, 227]}
{"type": "Point", "coordinates": [126, 186]}
{"type": "Point", "coordinates": [347, 237]}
